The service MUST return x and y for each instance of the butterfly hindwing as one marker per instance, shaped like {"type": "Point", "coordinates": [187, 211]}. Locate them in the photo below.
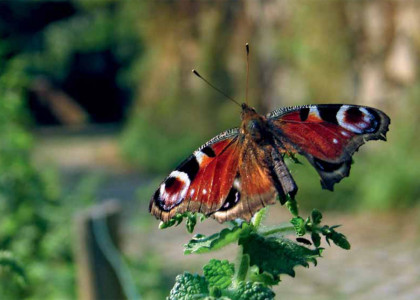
{"type": "Point", "coordinates": [328, 135]}
{"type": "Point", "coordinates": [252, 187]}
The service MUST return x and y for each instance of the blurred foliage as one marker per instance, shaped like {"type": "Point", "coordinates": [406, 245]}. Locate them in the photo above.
{"type": "Point", "coordinates": [35, 211]}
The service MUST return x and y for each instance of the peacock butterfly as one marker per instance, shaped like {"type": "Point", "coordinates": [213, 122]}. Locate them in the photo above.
{"type": "Point", "coordinates": [241, 170]}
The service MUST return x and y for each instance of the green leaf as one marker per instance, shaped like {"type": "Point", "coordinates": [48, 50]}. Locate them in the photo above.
{"type": "Point", "coordinates": [189, 286]}
{"type": "Point", "coordinates": [191, 221]}
{"type": "Point", "coordinates": [316, 216]}
{"type": "Point", "coordinates": [263, 277]}
{"type": "Point", "coordinates": [293, 157]}
{"type": "Point", "coordinates": [339, 239]}
{"type": "Point", "coordinates": [316, 239]}
{"type": "Point", "coordinates": [202, 244]}
{"type": "Point", "coordinates": [299, 225]}
{"type": "Point", "coordinates": [292, 205]}
{"type": "Point", "coordinates": [219, 273]}
{"type": "Point", "coordinates": [252, 291]}
{"type": "Point", "coordinates": [178, 218]}
{"type": "Point", "coordinates": [277, 255]}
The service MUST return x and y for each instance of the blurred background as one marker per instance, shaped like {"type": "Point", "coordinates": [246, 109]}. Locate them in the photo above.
{"type": "Point", "coordinates": [97, 102]}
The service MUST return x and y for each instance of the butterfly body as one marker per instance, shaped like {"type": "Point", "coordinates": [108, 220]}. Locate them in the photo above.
{"type": "Point", "coordinates": [242, 169]}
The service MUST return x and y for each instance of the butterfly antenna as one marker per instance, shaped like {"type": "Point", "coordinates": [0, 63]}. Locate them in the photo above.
{"type": "Point", "coordinates": [247, 72]}
{"type": "Point", "coordinates": [221, 92]}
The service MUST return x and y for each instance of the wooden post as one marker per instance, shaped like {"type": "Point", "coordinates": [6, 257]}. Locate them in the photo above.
{"type": "Point", "coordinates": [95, 228]}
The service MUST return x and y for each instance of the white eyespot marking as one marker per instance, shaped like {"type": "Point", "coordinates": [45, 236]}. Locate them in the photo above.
{"type": "Point", "coordinates": [345, 133]}
{"type": "Point", "coordinates": [341, 113]}
{"type": "Point", "coordinates": [367, 116]}
{"type": "Point", "coordinates": [313, 110]}
{"type": "Point", "coordinates": [237, 197]}
{"type": "Point", "coordinates": [341, 120]}
{"type": "Point", "coordinates": [199, 156]}
{"type": "Point", "coordinates": [204, 191]}
{"type": "Point", "coordinates": [172, 198]}
{"type": "Point", "coordinates": [192, 192]}
{"type": "Point", "coordinates": [335, 141]}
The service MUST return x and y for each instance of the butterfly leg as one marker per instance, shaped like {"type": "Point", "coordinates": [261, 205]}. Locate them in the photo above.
{"type": "Point", "coordinates": [283, 180]}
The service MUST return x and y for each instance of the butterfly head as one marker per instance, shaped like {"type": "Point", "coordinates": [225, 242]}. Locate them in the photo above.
{"type": "Point", "coordinates": [253, 124]}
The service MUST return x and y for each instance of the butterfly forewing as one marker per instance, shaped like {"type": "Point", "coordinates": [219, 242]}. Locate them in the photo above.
{"type": "Point", "coordinates": [328, 134]}
{"type": "Point", "coordinates": [202, 181]}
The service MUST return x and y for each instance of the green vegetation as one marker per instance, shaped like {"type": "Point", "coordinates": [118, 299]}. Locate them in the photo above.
{"type": "Point", "coordinates": [265, 254]}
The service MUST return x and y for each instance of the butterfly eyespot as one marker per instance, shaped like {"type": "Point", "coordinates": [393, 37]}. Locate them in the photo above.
{"type": "Point", "coordinates": [358, 120]}
{"type": "Point", "coordinates": [232, 199]}
{"type": "Point", "coordinates": [172, 191]}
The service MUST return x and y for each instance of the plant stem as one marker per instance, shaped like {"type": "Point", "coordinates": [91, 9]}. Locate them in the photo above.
{"type": "Point", "coordinates": [243, 267]}
{"type": "Point", "coordinates": [243, 259]}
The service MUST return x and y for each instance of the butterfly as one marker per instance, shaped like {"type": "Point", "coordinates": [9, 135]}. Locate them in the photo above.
{"type": "Point", "coordinates": [242, 170]}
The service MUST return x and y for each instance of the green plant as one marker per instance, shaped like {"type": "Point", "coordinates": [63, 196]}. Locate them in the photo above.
{"type": "Point", "coordinates": [266, 253]}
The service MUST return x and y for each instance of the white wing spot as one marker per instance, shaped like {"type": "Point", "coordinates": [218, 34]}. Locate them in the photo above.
{"type": "Point", "coordinates": [335, 141]}
{"type": "Point", "coordinates": [204, 191]}
{"type": "Point", "coordinates": [314, 111]}
{"type": "Point", "coordinates": [199, 156]}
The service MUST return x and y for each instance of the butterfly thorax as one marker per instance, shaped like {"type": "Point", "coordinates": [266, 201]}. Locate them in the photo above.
{"type": "Point", "coordinates": [254, 125]}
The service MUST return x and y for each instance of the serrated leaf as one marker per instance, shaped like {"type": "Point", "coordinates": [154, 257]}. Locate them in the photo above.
{"type": "Point", "coordinates": [316, 217]}
{"type": "Point", "coordinates": [252, 291]}
{"type": "Point", "coordinates": [219, 273]}
{"type": "Point", "coordinates": [202, 244]}
{"type": "Point", "coordinates": [299, 225]}
{"type": "Point", "coordinates": [189, 286]}
{"type": "Point", "coordinates": [339, 239]}
{"type": "Point", "coordinates": [277, 255]}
